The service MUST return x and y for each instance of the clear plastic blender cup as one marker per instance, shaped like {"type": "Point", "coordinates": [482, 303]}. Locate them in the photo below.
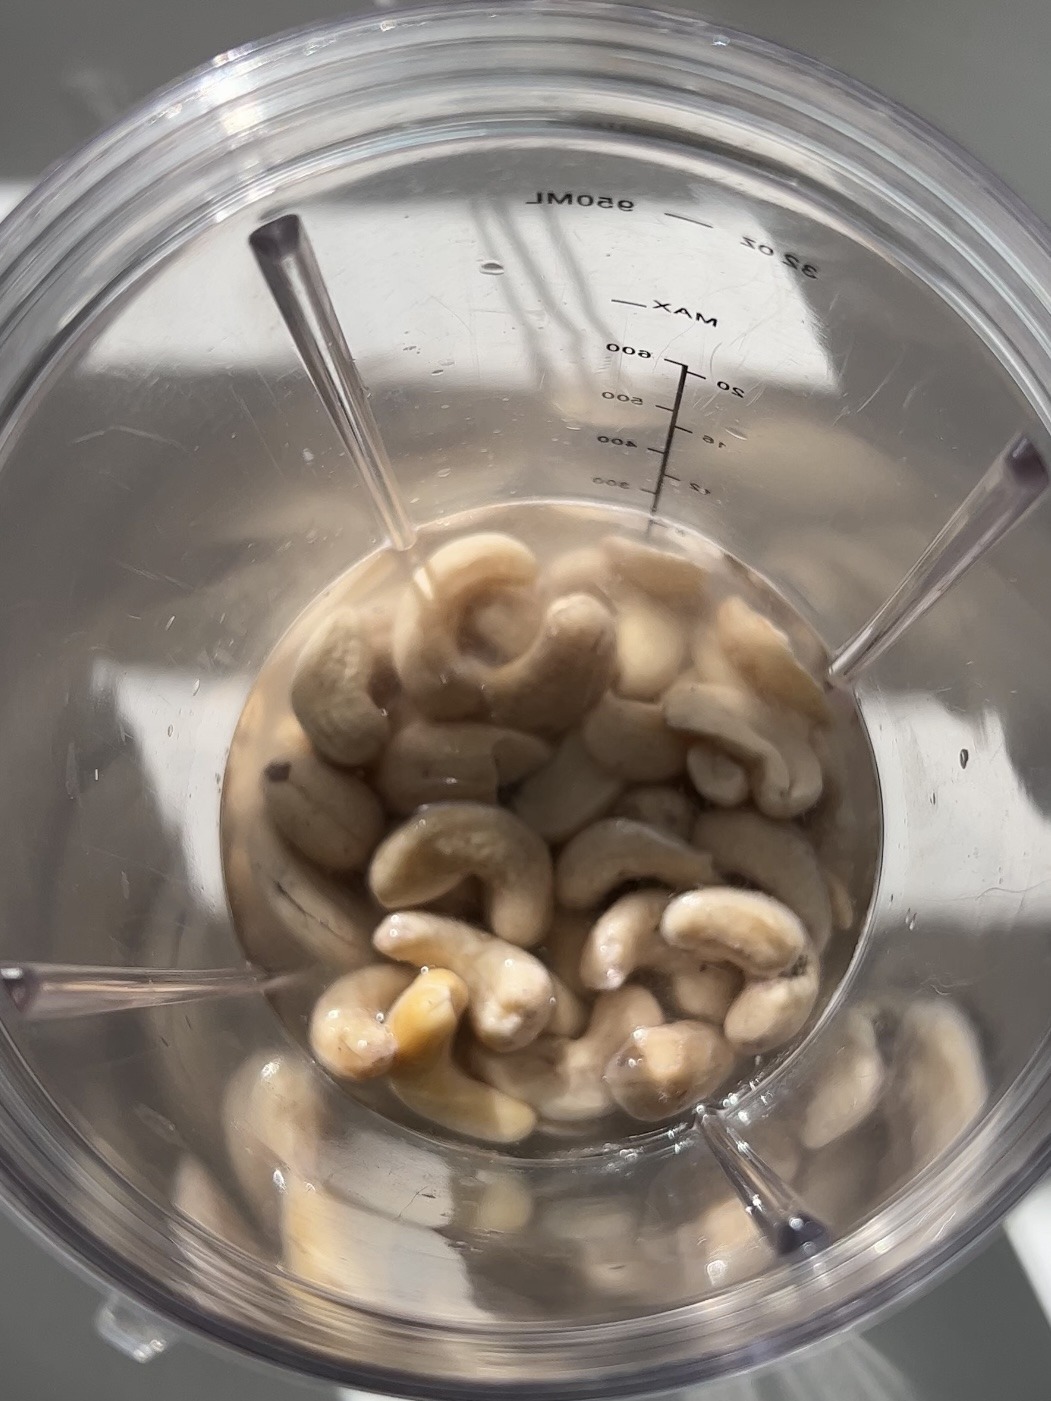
{"type": "Point", "coordinates": [583, 253]}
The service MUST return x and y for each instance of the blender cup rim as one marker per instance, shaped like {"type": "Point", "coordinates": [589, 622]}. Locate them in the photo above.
{"type": "Point", "coordinates": [1004, 250]}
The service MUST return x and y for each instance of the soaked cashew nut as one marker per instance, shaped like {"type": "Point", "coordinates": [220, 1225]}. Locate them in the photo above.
{"type": "Point", "coordinates": [423, 1019]}
{"type": "Point", "coordinates": [658, 806]}
{"type": "Point", "coordinates": [651, 644]}
{"type": "Point", "coordinates": [937, 1085]}
{"type": "Point", "coordinates": [513, 997]}
{"type": "Point", "coordinates": [669, 577]}
{"type": "Point", "coordinates": [735, 1247]}
{"type": "Point", "coordinates": [632, 740]}
{"type": "Point", "coordinates": [840, 900]}
{"type": "Point", "coordinates": [271, 1117]}
{"type": "Point", "coordinates": [564, 947]}
{"type": "Point", "coordinates": [586, 570]}
{"type": "Point", "coordinates": [432, 852]}
{"type": "Point", "coordinates": [329, 816]}
{"type": "Point", "coordinates": [624, 938]}
{"type": "Point", "coordinates": [569, 791]}
{"type": "Point", "coordinates": [725, 718]}
{"type": "Point", "coordinates": [330, 692]}
{"type": "Point", "coordinates": [616, 850]}
{"type": "Point", "coordinates": [348, 1033]}
{"type": "Point", "coordinates": [502, 623]}
{"type": "Point", "coordinates": [718, 778]}
{"type": "Point", "coordinates": [848, 1087]}
{"type": "Point", "coordinates": [197, 1196]}
{"type": "Point", "coordinates": [755, 933]}
{"type": "Point", "coordinates": [706, 994]}
{"type": "Point", "coordinates": [562, 1079]}
{"type": "Point", "coordinates": [439, 1090]}
{"type": "Point", "coordinates": [789, 734]}
{"type": "Point", "coordinates": [770, 1011]}
{"type": "Point", "coordinates": [776, 857]}
{"type": "Point", "coordinates": [434, 761]}
{"type": "Point", "coordinates": [763, 654]}
{"type": "Point", "coordinates": [662, 1070]}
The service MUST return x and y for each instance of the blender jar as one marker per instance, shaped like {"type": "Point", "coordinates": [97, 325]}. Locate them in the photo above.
{"type": "Point", "coordinates": [586, 254]}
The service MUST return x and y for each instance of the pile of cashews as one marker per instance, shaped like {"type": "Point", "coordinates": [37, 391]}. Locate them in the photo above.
{"type": "Point", "coordinates": [561, 830]}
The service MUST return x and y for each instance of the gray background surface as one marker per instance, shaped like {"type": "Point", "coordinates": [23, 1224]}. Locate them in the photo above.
{"type": "Point", "coordinates": [978, 71]}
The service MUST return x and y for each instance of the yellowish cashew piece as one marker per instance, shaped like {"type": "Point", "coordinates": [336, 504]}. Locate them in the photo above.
{"type": "Point", "coordinates": [616, 850]}
{"type": "Point", "coordinates": [763, 655]}
{"type": "Point", "coordinates": [771, 1011]}
{"type": "Point", "coordinates": [570, 791]}
{"type": "Point", "coordinates": [330, 816]}
{"type": "Point", "coordinates": [465, 761]}
{"type": "Point", "coordinates": [631, 739]}
{"type": "Point", "coordinates": [669, 577]}
{"type": "Point", "coordinates": [848, 1087]}
{"type": "Point", "coordinates": [755, 933]}
{"type": "Point", "coordinates": [662, 1070]}
{"type": "Point", "coordinates": [330, 692]}
{"type": "Point", "coordinates": [660, 806]}
{"type": "Point", "coordinates": [651, 644]}
{"type": "Point", "coordinates": [513, 998]}
{"type": "Point", "coordinates": [423, 1019]}
{"type": "Point", "coordinates": [432, 852]}
{"type": "Point", "coordinates": [348, 1033]}
{"type": "Point", "coordinates": [562, 1079]}
{"type": "Point", "coordinates": [775, 857]}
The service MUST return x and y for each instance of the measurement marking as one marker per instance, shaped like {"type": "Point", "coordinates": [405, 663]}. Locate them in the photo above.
{"type": "Point", "coordinates": [676, 405]}
{"type": "Point", "coordinates": [687, 220]}
{"type": "Point", "coordinates": [660, 450]}
{"type": "Point", "coordinates": [683, 366]}
{"type": "Point", "coordinates": [670, 478]}
{"type": "Point", "coordinates": [621, 301]}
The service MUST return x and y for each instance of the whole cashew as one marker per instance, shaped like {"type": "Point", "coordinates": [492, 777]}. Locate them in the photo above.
{"type": "Point", "coordinates": [271, 1117]}
{"type": "Point", "coordinates": [564, 947]}
{"type": "Point", "coordinates": [423, 1019]}
{"type": "Point", "coordinates": [624, 938]}
{"type": "Point", "coordinates": [513, 997]}
{"type": "Point", "coordinates": [710, 663]}
{"type": "Point", "coordinates": [662, 1070]}
{"type": "Point", "coordinates": [753, 932]}
{"type": "Point", "coordinates": [562, 1079]}
{"type": "Point", "coordinates": [651, 644]}
{"type": "Point", "coordinates": [348, 1033]}
{"type": "Point", "coordinates": [434, 761]}
{"type": "Point", "coordinates": [569, 791]}
{"type": "Point", "coordinates": [197, 1196]}
{"type": "Point", "coordinates": [330, 692]}
{"type": "Point", "coordinates": [631, 739]}
{"type": "Point", "coordinates": [611, 852]}
{"type": "Point", "coordinates": [937, 1085]}
{"type": "Point", "coordinates": [329, 816]}
{"type": "Point", "coordinates": [502, 623]}
{"type": "Point", "coordinates": [706, 994]}
{"type": "Point", "coordinates": [775, 857]}
{"type": "Point", "coordinates": [586, 570]}
{"type": "Point", "coordinates": [847, 1088]}
{"type": "Point", "coordinates": [840, 900]}
{"type": "Point", "coordinates": [770, 1011]}
{"type": "Point", "coordinates": [669, 577]}
{"type": "Point", "coordinates": [432, 852]}
{"type": "Point", "coordinates": [658, 805]}
{"type": "Point", "coordinates": [763, 655]}
{"type": "Point", "coordinates": [735, 1247]}
{"type": "Point", "coordinates": [718, 778]}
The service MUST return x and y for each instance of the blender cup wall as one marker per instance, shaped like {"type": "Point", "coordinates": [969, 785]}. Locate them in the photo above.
{"type": "Point", "coordinates": [665, 270]}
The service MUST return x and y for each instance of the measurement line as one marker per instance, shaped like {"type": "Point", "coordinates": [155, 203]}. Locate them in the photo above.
{"type": "Point", "coordinates": [687, 220]}
{"type": "Point", "coordinates": [683, 366]}
{"type": "Point", "coordinates": [676, 405]}
{"type": "Point", "coordinates": [621, 301]}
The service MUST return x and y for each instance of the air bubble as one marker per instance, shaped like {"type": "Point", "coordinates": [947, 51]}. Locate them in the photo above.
{"type": "Point", "coordinates": [491, 268]}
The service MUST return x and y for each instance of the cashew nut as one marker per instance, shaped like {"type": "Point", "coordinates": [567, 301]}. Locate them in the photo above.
{"type": "Point", "coordinates": [651, 644]}
{"type": "Point", "coordinates": [562, 1079]}
{"type": "Point", "coordinates": [659, 806]}
{"type": "Point", "coordinates": [662, 1070]}
{"type": "Point", "coordinates": [735, 1246]}
{"type": "Point", "coordinates": [706, 993]}
{"type": "Point", "coordinates": [624, 938]}
{"type": "Point", "coordinates": [755, 933]}
{"type": "Point", "coordinates": [710, 663]}
{"type": "Point", "coordinates": [770, 1011]}
{"type": "Point", "coordinates": [330, 692]}
{"type": "Point", "coordinates": [564, 947]}
{"type": "Point", "coordinates": [348, 1033]}
{"type": "Point", "coordinates": [785, 774]}
{"type": "Point", "coordinates": [669, 577]}
{"type": "Point", "coordinates": [423, 1019]}
{"type": "Point", "coordinates": [847, 1088]}
{"type": "Point", "coordinates": [439, 1090]}
{"type": "Point", "coordinates": [329, 816]}
{"type": "Point", "coordinates": [513, 997]}
{"type": "Point", "coordinates": [937, 1084]}
{"type": "Point", "coordinates": [502, 623]}
{"type": "Point", "coordinates": [271, 1119]}
{"type": "Point", "coordinates": [763, 655]}
{"type": "Point", "coordinates": [775, 857]}
{"type": "Point", "coordinates": [616, 850]}
{"type": "Point", "coordinates": [631, 739]}
{"type": "Point", "coordinates": [841, 902]}
{"type": "Point", "coordinates": [586, 570]}
{"type": "Point", "coordinates": [429, 762]}
{"type": "Point", "coordinates": [571, 790]}
{"type": "Point", "coordinates": [197, 1195]}
{"type": "Point", "coordinates": [718, 778]}
{"type": "Point", "coordinates": [432, 852]}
